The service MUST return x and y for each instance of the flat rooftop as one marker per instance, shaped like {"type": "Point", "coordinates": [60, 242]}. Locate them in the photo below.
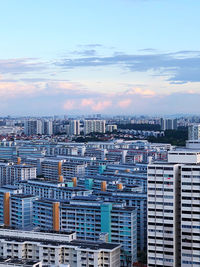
{"type": "Point", "coordinates": [96, 245]}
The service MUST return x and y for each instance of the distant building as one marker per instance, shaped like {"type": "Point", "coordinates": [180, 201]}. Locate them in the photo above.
{"type": "Point", "coordinates": [168, 124]}
{"type": "Point", "coordinates": [194, 132]}
{"type": "Point", "coordinates": [74, 127]}
{"type": "Point", "coordinates": [94, 126]}
{"type": "Point", "coordinates": [33, 127]}
{"type": "Point", "coordinates": [47, 127]}
{"type": "Point", "coordinates": [111, 127]}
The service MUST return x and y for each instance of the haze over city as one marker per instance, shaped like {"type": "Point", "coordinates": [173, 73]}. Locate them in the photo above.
{"type": "Point", "coordinates": [113, 57]}
{"type": "Point", "coordinates": [100, 133]}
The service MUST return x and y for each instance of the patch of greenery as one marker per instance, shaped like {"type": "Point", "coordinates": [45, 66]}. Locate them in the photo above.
{"type": "Point", "coordinates": [142, 127]}
{"type": "Point", "coordinates": [173, 137]}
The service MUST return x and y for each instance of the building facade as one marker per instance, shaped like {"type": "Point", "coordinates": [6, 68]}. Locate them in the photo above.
{"type": "Point", "coordinates": [57, 249]}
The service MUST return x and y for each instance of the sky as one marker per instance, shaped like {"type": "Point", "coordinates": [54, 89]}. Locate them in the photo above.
{"type": "Point", "coordinates": [99, 56]}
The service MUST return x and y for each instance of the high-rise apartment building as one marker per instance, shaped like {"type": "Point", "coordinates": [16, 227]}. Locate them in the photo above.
{"type": "Point", "coordinates": [174, 210]}
{"type": "Point", "coordinates": [94, 126]}
{"type": "Point", "coordinates": [162, 215]}
{"type": "Point", "coordinates": [168, 124]}
{"type": "Point", "coordinates": [11, 173]}
{"type": "Point", "coordinates": [74, 127]}
{"type": "Point", "coordinates": [194, 132]}
{"type": "Point", "coordinates": [111, 127]}
{"type": "Point", "coordinates": [33, 127]}
{"type": "Point", "coordinates": [47, 127]}
{"type": "Point", "coordinates": [52, 168]}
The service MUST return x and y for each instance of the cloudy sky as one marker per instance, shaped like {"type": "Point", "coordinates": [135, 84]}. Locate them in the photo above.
{"type": "Point", "coordinates": [99, 56]}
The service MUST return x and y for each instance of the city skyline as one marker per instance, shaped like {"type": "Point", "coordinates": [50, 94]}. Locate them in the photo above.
{"type": "Point", "coordinates": [109, 57]}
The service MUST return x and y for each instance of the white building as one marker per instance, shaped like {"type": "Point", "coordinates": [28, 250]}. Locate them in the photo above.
{"type": "Point", "coordinates": [47, 127]}
{"type": "Point", "coordinates": [57, 249]}
{"type": "Point", "coordinates": [168, 124]}
{"type": "Point", "coordinates": [174, 209]}
{"type": "Point", "coordinates": [74, 127]}
{"type": "Point", "coordinates": [11, 173]}
{"type": "Point", "coordinates": [94, 126]}
{"type": "Point", "coordinates": [111, 128]}
{"type": "Point", "coordinates": [33, 127]}
{"type": "Point", "coordinates": [194, 132]}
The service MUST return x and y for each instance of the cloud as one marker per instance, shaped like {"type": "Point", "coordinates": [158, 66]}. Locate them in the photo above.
{"type": "Point", "coordinates": [91, 45]}
{"type": "Point", "coordinates": [88, 52]}
{"type": "Point", "coordinates": [124, 103]}
{"type": "Point", "coordinates": [148, 50]}
{"type": "Point", "coordinates": [33, 87]}
{"type": "Point", "coordinates": [69, 105]}
{"type": "Point", "coordinates": [49, 98]}
{"type": "Point", "coordinates": [28, 86]}
{"type": "Point", "coordinates": [96, 104]}
{"type": "Point", "coordinates": [21, 65]}
{"type": "Point", "coordinates": [102, 105]}
{"type": "Point", "coordinates": [140, 91]}
{"type": "Point", "coordinates": [87, 102]}
{"type": "Point", "coordinates": [181, 66]}
{"type": "Point", "coordinates": [136, 104]}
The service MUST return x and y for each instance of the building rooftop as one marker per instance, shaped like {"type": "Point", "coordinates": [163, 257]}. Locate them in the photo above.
{"type": "Point", "coordinates": [22, 196]}
{"type": "Point", "coordinates": [96, 245]}
{"type": "Point", "coordinates": [20, 262]}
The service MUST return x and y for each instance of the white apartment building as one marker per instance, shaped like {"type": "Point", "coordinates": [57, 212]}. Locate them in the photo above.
{"type": "Point", "coordinates": [74, 127]}
{"type": "Point", "coordinates": [111, 127]}
{"type": "Point", "coordinates": [47, 127]}
{"type": "Point", "coordinates": [163, 214]}
{"type": "Point", "coordinates": [92, 126]}
{"type": "Point", "coordinates": [194, 132]}
{"type": "Point", "coordinates": [11, 173]}
{"type": "Point", "coordinates": [174, 209]}
{"type": "Point", "coordinates": [33, 127]}
{"type": "Point", "coordinates": [168, 124]}
{"type": "Point", "coordinates": [57, 249]}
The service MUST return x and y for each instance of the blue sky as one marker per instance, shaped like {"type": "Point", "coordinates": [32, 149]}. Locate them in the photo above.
{"type": "Point", "coordinates": [97, 56]}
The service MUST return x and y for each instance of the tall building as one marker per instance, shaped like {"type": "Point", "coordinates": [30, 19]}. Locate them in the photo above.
{"type": "Point", "coordinates": [111, 127]}
{"type": "Point", "coordinates": [52, 168]}
{"type": "Point", "coordinates": [94, 126]}
{"type": "Point", "coordinates": [33, 127]}
{"type": "Point", "coordinates": [168, 124]}
{"type": "Point", "coordinates": [194, 132]}
{"type": "Point", "coordinates": [74, 127]}
{"type": "Point", "coordinates": [12, 173]}
{"type": "Point", "coordinates": [47, 127]}
{"type": "Point", "coordinates": [174, 209]}
{"type": "Point", "coordinates": [21, 211]}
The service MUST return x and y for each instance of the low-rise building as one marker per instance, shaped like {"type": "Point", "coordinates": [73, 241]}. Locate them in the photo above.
{"type": "Point", "coordinates": [57, 249]}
